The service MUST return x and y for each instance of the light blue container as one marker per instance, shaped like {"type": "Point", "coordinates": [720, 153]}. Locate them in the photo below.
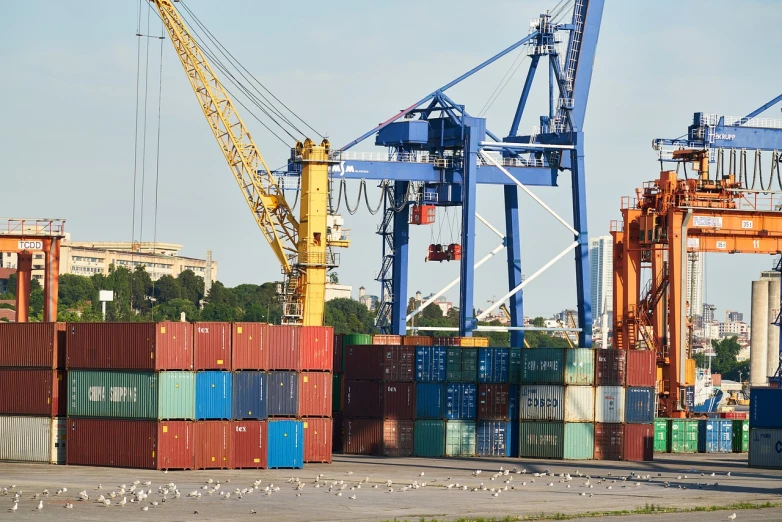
{"type": "Point", "coordinates": [285, 443]}
{"type": "Point", "coordinates": [493, 365]}
{"type": "Point", "coordinates": [461, 401]}
{"type": "Point", "coordinates": [429, 400]}
{"type": "Point", "coordinates": [430, 363]}
{"type": "Point", "coordinates": [213, 395]}
{"type": "Point", "coordinates": [715, 436]}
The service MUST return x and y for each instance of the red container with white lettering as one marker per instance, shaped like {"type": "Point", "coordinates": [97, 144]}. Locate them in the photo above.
{"type": "Point", "coordinates": [212, 346]}
{"type": "Point", "coordinates": [249, 445]}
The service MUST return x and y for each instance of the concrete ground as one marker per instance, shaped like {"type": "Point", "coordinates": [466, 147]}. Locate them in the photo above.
{"type": "Point", "coordinates": [547, 496]}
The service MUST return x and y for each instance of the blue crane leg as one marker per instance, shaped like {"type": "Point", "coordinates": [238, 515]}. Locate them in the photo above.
{"type": "Point", "coordinates": [582, 250]}
{"type": "Point", "coordinates": [476, 130]}
{"type": "Point", "coordinates": [513, 250]}
{"type": "Point", "coordinates": [401, 239]}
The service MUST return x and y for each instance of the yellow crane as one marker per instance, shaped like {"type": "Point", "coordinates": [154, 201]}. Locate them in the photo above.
{"type": "Point", "coordinates": [302, 246]}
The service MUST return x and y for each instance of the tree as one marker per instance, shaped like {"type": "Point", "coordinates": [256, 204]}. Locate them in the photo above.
{"type": "Point", "coordinates": [701, 360]}
{"type": "Point", "coordinates": [725, 362]}
{"type": "Point", "coordinates": [172, 310]}
{"type": "Point", "coordinates": [334, 278]}
{"type": "Point", "coordinates": [192, 286]}
{"type": "Point", "coordinates": [349, 316]}
{"type": "Point", "coordinates": [166, 289]}
{"type": "Point", "coordinates": [539, 322]}
{"type": "Point", "coordinates": [141, 291]}
{"type": "Point", "coordinates": [75, 288]}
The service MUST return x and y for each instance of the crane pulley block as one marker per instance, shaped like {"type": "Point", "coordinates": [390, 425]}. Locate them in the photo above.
{"type": "Point", "coordinates": [422, 214]}
{"type": "Point", "coordinates": [452, 252]}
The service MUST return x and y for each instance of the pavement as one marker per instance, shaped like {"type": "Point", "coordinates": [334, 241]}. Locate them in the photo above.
{"type": "Point", "coordinates": [526, 496]}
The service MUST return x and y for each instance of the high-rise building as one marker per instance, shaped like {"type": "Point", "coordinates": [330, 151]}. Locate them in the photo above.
{"type": "Point", "coordinates": [601, 259]}
{"type": "Point", "coordinates": [695, 266]}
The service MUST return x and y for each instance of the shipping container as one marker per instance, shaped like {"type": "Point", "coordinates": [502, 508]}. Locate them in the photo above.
{"type": "Point", "coordinates": [283, 396]}
{"type": "Point", "coordinates": [32, 439]}
{"type": "Point", "coordinates": [212, 346]}
{"type": "Point", "coordinates": [660, 435]}
{"type": "Point", "coordinates": [514, 366]}
{"type": "Point", "coordinates": [734, 415]}
{"type": "Point", "coordinates": [429, 438]}
{"type": "Point", "coordinates": [542, 365]}
{"type": "Point", "coordinates": [641, 368]}
{"type": "Point", "coordinates": [33, 392]}
{"type": "Point", "coordinates": [715, 436]}
{"type": "Point", "coordinates": [764, 444]}
{"type": "Point", "coordinates": [609, 404]}
{"type": "Point", "coordinates": [32, 345]}
{"type": "Point", "coordinates": [610, 367]}
{"type": "Point", "coordinates": [249, 395]}
{"type": "Point", "coordinates": [493, 439]}
{"type": "Point", "coordinates": [213, 395]}
{"type": "Point", "coordinates": [317, 439]}
{"type": "Point", "coordinates": [338, 362]}
{"type": "Point", "coordinates": [117, 394]}
{"type": "Point", "coordinates": [398, 363]}
{"type": "Point", "coordinates": [143, 444]}
{"type": "Point", "coordinates": [579, 441]}
{"type": "Point", "coordinates": [316, 349]}
{"type": "Point", "coordinates": [373, 399]}
{"type": "Point", "coordinates": [556, 440]}
{"type": "Point", "coordinates": [380, 362]}
{"type": "Point", "coordinates": [579, 404]}
{"type": "Point", "coordinates": [336, 426]}
{"type": "Point", "coordinates": [740, 436]}
{"type": "Point", "coordinates": [580, 366]}
{"type": "Point", "coordinates": [314, 394]}
{"type": "Point", "coordinates": [493, 402]}
{"type": "Point", "coordinates": [283, 344]}
{"type": "Point", "coordinates": [682, 435]}
{"type": "Point", "coordinates": [362, 436]}
{"type": "Point", "coordinates": [130, 346]}
{"type": "Point", "coordinates": [542, 402]}
{"type": "Point", "coordinates": [459, 438]}
{"type": "Point", "coordinates": [639, 405]}
{"type": "Point", "coordinates": [395, 340]}
{"type": "Point", "coordinates": [513, 438]}
{"type": "Point", "coordinates": [248, 444]}
{"type": "Point", "coordinates": [213, 444]}
{"type": "Point", "coordinates": [356, 339]}
{"type": "Point", "coordinates": [248, 351]}
{"type": "Point", "coordinates": [430, 363]}
{"type": "Point", "coordinates": [417, 340]}
{"type": "Point", "coordinates": [429, 400]}
{"type": "Point", "coordinates": [493, 365]}
{"type": "Point", "coordinates": [461, 364]}
{"type": "Point", "coordinates": [638, 442]}
{"type": "Point", "coordinates": [764, 410]}
{"type": "Point", "coordinates": [398, 438]}
{"type": "Point", "coordinates": [461, 401]}
{"type": "Point", "coordinates": [446, 341]}
{"type": "Point", "coordinates": [473, 342]}
{"type": "Point", "coordinates": [514, 395]}
{"type": "Point", "coordinates": [336, 393]}
{"type": "Point", "coordinates": [176, 397]}
{"type": "Point", "coordinates": [609, 441]}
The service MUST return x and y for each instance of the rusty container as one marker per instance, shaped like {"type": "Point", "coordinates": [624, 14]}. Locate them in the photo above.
{"type": "Point", "coordinates": [316, 349]}
{"type": "Point", "coordinates": [638, 442]}
{"type": "Point", "coordinates": [641, 368]}
{"type": "Point", "coordinates": [317, 440]}
{"type": "Point", "coordinates": [387, 339]}
{"type": "Point", "coordinates": [398, 438]}
{"type": "Point", "coordinates": [32, 345]}
{"type": "Point", "coordinates": [417, 340]}
{"type": "Point", "coordinates": [212, 346]}
{"type": "Point", "coordinates": [446, 341]}
{"type": "Point", "coordinates": [247, 346]}
{"type": "Point", "coordinates": [145, 444]}
{"type": "Point", "coordinates": [382, 400]}
{"type": "Point", "coordinates": [380, 362]}
{"type": "Point", "coordinates": [213, 444]}
{"type": "Point", "coordinates": [609, 441]}
{"type": "Point", "coordinates": [129, 346]}
{"type": "Point", "coordinates": [493, 402]}
{"type": "Point", "coordinates": [283, 345]}
{"type": "Point", "coordinates": [362, 436]}
{"type": "Point", "coordinates": [610, 367]}
{"type": "Point", "coordinates": [249, 445]}
{"type": "Point", "coordinates": [33, 392]}
{"type": "Point", "coordinates": [315, 389]}
{"type": "Point", "coordinates": [338, 357]}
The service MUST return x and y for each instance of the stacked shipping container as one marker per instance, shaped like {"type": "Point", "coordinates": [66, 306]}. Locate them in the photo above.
{"type": "Point", "coordinates": [765, 428]}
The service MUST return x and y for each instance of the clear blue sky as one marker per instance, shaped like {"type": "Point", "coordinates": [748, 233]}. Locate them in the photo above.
{"type": "Point", "coordinates": [67, 139]}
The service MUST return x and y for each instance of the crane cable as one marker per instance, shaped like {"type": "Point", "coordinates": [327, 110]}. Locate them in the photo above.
{"type": "Point", "coordinates": [157, 156]}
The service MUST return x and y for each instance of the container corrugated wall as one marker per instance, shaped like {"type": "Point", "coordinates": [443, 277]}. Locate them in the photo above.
{"type": "Point", "coordinates": [459, 438]}
{"type": "Point", "coordinates": [338, 363]}
{"type": "Point", "coordinates": [682, 435]}
{"type": "Point", "coordinates": [764, 407]}
{"type": "Point", "coordinates": [176, 398]}
{"type": "Point", "coordinates": [32, 345]}
{"type": "Point", "coordinates": [117, 394]}
{"type": "Point", "coordinates": [493, 365]}
{"type": "Point", "coordinates": [249, 394]}
{"type": "Point", "coordinates": [764, 444]}
{"type": "Point", "coordinates": [283, 397]}
{"type": "Point", "coordinates": [610, 404]}
{"type": "Point", "coordinates": [493, 402]}
{"type": "Point", "coordinates": [660, 435]}
{"type": "Point", "coordinates": [356, 339]}
{"type": "Point", "coordinates": [314, 394]}
{"type": "Point", "coordinates": [579, 404]}
{"type": "Point", "coordinates": [33, 392]}
{"type": "Point", "coordinates": [32, 439]}
{"type": "Point", "coordinates": [429, 400]}
{"type": "Point", "coordinates": [317, 346]}
{"type": "Point", "coordinates": [429, 438]}
{"type": "Point", "coordinates": [580, 366]}
{"type": "Point", "coordinates": [284, 347]}
{"type": "Point", "coordinates": [609, 441]}
{"type": "Point", "coordinates": [387, 339]}
{"type": "Point", "coordinates": [715, 436]}
{"type": "Point", "coordinates": [247, 346]}
{"type": "Point", "coordinates": [461, 401]}
{"type": "Point", "coordinates": [249, 444]}
{"type": "Point", "coordinates": [514, 366]}
{"type": "Point", "coordinates": [541, 439]}
{"type": "Point", "coordinates": [641, 368]}
{"type": "Point", "coordinates": [639, 405]}
{"type": "Point", "coordinates": [638, 442]}
{"type": "Point", "coordinates": [213, 395]}
{"type": "Point", "coordinates": [492, 439]}
{"type": "Point", "coordinates": [610, 367]}
{"type": "Point", "coordinates": [362, 436]}
{"type": "Point", "coordinates": [740, 436]}
{"type": "Point", "coordinates": [286, 444]}
{"type": "Point", "coordinates": [380, 362]}
{"type": "Point", "coordinates": [542, 402]}
{"type": "Point", "coordinates": [430, 363]}
{"type": "Point", "coordinates": [213, 444]}
{"type": "Point", "coordinates": [212, 346]}
{"type": "Point", "coordinates": [317, 440]}
{"type": "Point", "coordinates": [336, 392]}
{"type": "Point", "coordinates": [542, 365]}
{"type": "Point", "coordinates": [579, 443]}
{"type": "Point", "coordinates": [398, 438]}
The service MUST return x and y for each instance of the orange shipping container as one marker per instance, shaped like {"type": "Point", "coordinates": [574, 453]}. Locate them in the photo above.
{"type": "Point", "coordinates": [398, 438]}
{"type": "Point", "coordinates": [32, 345]}
{"type": "Point", "coordinates": [641, 368]}
{"type": "Point", "coordinates": [417, 340]}
{"type": "Point", "coordinates": [317, 440]}
{"type": "Point", "coordinates": [315, 389]}
{"type": "Point", "coordinates": [249, 445]}
{"type": "Point", "coordinates": [213, 444]}
{"type": "Point", "coordinates": [212, 346]}
{"type": "Point", "coordinates": [317, 348]}
{"type": "Point", "coordinates": [282, 345]}
{"type": "Point", "coordinates": [247, 347]}
{"type": "Point", "coordinates": [395, 340]}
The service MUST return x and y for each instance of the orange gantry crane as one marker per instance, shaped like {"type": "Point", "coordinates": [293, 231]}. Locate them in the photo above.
{"type": "Point", "coordinates": [669, 219]}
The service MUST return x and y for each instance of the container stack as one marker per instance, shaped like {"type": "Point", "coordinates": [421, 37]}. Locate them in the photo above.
{"type": "Point", "coordinates": [765, 428]}
{"type": "Point", "coordinates": [32, 392]}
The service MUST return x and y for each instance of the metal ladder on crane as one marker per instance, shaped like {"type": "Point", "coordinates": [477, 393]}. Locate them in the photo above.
{"type": "Point", "coordinates": [386, 275]}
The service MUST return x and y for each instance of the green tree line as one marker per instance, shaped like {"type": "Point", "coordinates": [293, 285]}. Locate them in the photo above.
{"type": "Point", "coordinates": [724, 361]}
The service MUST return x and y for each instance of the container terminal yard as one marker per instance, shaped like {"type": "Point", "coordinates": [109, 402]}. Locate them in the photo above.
{"type": "Point", "coordinates": [159, 392]}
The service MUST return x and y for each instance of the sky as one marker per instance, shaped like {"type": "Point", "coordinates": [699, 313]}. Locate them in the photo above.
{"type": "Point", "coordinates": [67, 142]}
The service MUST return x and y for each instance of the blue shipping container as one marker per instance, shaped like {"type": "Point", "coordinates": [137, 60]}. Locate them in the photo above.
{"type": "Point", "coordinates": [493, 438]}
{"type": "Point", "coordinates": [513, 438]}
{"type": "Point", "coordinates": [514, 395]}
{"type": "Point", "coordinates": [639, 405]}
{"type": "Point", "coordinates": [429, 400]}
{"type": "Point", "coordinates": [283, 396]}
{"type": "Point", "coordinates": [213, 395]}
{"type": "Point", "coordinates": [249, 395]}
{"type": "Point", "coordinates": [461, 401]}
{"type": "Point", "coordinates": [430, 363]}
{"type": "Point", "coordinates": [493, 365]}
{"type": "Point", "coordinates": [286, 444]}
{"type": "Point", "coordinates": [764, 410]}
{"type": "Point", "coordinates": [715, 436]}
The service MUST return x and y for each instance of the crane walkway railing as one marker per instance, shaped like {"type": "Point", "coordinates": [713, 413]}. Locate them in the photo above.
{"type": "Point", "coordinates": [32, 226]}
{"type": "Point", "coordinates": [766, 123]}
{"type": "Point", "coordinates": [436, 161]}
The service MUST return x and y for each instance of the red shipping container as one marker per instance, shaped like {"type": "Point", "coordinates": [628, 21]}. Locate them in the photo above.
{"type": "Point", "coordinates": [130, 346]}
{"type": "Point", "coordinates": [315, 389]}
{"type": "Point", "coordinates": [380, 362]}
{"type": "Point", "coordinates": [609, 441]}
{"type": "Point", "coordinates": [398, 438]}
{"type": "Point", "coordinates": [33, 392]}
{"type": "Point", "coordinates": [130, 443]}
{"type": "Point", "coordinates": [213, 444]}
{"type": "Point", "coordinates": [317, 348]}
{"type": "Point", "coordinates": [362, 436]}
{"type": "Point", "coordinates": [336, 437]}
{"type": "Point", "coordinates": [382, 400]}
{"type": "Point", "coordinates": [317, 440]}
{"type": "Point", "coordinates": [212, 346]}
{"type": "Point", "coordinates": [393, 340]}
{"type": "Point", "coordinates": [247, 347]}
{"type": "Point", "coordinates": [610, 367]}
{"type": "Point", "coordinates": [638, 442]}
{"type": "Point", "coordinates": [249, 445]}
{"type": "Point", "coordinates": [32, 345]}
{"type": "Point", "coordinates": [493, 402]}
{"type": "Point", "coordinates": [338, 355]}
{"type": "Point", "coordinates": [641, 368]}
{"type": "Point", "coordinates": [283, 346]}
{"type": "Point", "coordinates": [737, 415]}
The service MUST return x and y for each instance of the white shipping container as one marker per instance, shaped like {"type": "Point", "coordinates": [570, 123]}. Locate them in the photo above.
{"type": "Point", "coordinates": [610, 404]}
{"type": "Point", "coordinates": [765, 445]}
{"type": "Point", "coordinates": [32, 439]}
{"type": "Point", "coordinates": [579, 404]}
{"type": "Point", "coordinates": [542, 402]}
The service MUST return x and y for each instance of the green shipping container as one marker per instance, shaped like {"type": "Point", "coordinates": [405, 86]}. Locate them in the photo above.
{"type": "Point", "coordinates": [579, 366]}
{"type": "Point", "coordinates": [579, 440]}
{"type": "Point", "coordinates": [683, 436]}
{"type": "Point", "coordinates": [356, 339]}
{"type": "Point", "coordinates": [740, 436]}
{"type": "Point", "coordinates": [429, 438]}
{"type": "Point", "coordinates": [660, 435]}
{"type": "Point", "coordinates": [176, 399]}
{"type": "Point", "coordinates": [128, 395]}
{"type": "Point", "coordinates": [460, 438]}
{"type": "Point", "coordinates": [557, 440]}
{"type": "Point", "coordinates": [336, 393]}
{"type": "Point", "coordinates": [542, 365]}
{"type": "Point", "coordinates": [461, 364]}
{"type": "Point", "coordinates": [514, 369]}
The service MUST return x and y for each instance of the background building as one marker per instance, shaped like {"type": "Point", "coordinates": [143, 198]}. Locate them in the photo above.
{"type": "Point", "coordinates": [695, 267]}
{"type": "Point", "coordinates": [337, 291]}
{"type": "Point", "coordinates": [601, 258]}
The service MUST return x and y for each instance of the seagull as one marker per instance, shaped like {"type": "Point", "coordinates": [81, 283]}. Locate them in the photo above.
{"type": "Point", "coordinates": [14, 507]}
{"type": "Point", "coordinates": [123, 501]}
{"type": "Point", "coordinates": [732, 517]}
{"type": "Point", "coordinates": [729, 473]}
{"type": "Point", "coordinates": [146, 508]}
{"type": "Point", "coordinates": [68, 506]}
{"type": "Point", "coordinates": [352, 497]}
{"type": "Point", "coordinates": [107, 502]}
{"type": "Point", "coordinates": [422, 474]}
{"type": "Point", "coordinates": [253, 512]}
